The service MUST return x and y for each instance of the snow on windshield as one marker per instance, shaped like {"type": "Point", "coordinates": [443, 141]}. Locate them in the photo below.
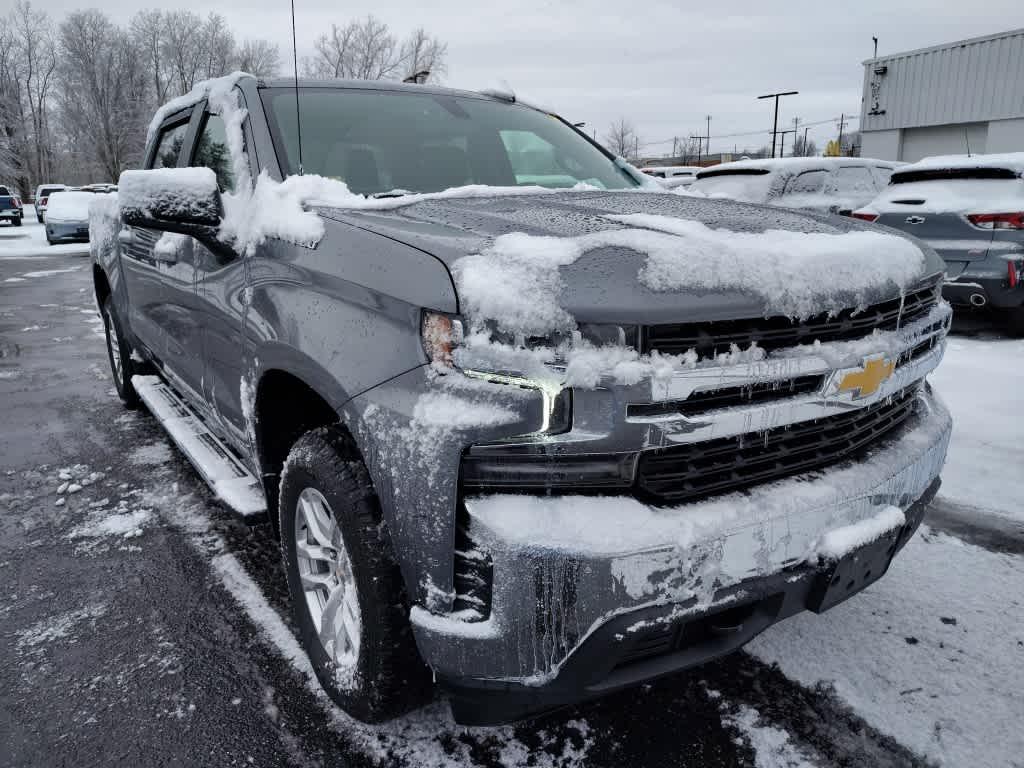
{"type": "Point", "coordinates": [70, 206]}
{"type": "Point", "coordinates": [752, 187]}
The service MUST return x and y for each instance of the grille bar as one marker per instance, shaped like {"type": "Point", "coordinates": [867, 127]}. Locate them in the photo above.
{"type": "Point", "coordinates": [710, 339]}
{"type": "Point", "coordinates": [688, 472]}
{"type": "Point", "coordinates": [729, 397]}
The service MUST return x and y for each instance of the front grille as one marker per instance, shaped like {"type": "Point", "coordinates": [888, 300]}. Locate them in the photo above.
{"type": "Point", "coordinates": [688, 472]}
{"type": "Point", "coordinates": [714, 338]}
{"type": "Point", "coordinates": [730, 397]}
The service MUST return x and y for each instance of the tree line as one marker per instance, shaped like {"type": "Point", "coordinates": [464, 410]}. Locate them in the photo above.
{"type": "Point", "coordinates": [76, 96]}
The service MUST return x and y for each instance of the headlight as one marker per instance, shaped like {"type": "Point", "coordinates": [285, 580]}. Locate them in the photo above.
{"type": "Point", "coordinates": [440, 334]}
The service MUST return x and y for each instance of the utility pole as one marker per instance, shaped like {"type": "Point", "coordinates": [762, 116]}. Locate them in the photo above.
{"type": "Point", "coordinates": [709, 136]}
{"type": "Point", "coordinates": [700, 146]}
{"type": "Point", "coordinates": [782, 147]}
{"type": "Point", "coordinates": [796, 130]}
{"type": "Point", "coordinates": [806, 129]}
{"type": "Point", "coordinates": [842, 124]}
{"type": "Point", "coordinates": [775, 125]}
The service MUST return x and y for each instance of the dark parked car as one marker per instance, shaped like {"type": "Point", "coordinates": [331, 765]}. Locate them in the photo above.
{"type": "Point", "coordinates": [10, 207]}
{"type": "Point", "coordinates": [970, 209]}
{"type": "Point", "coordinates": [508, 443]}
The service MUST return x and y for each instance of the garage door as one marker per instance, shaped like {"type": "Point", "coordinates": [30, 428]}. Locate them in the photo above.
{"type": "Point", "coordinates": [943, 140]}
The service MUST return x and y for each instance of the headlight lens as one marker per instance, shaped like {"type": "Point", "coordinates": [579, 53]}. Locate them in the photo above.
{"type": "Point", "coordinates": [440, 334]}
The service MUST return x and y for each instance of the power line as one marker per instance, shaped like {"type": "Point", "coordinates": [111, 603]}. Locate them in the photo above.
{"type": "Point", "coordinates": [740, 134]}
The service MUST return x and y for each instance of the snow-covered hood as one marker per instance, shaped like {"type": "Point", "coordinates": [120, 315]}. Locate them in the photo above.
{"type": "Point", "coordinates": [641, 257]}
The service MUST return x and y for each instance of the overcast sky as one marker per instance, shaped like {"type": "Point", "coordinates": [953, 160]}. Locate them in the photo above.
{"type": "Point", "coordinates": [664, 65]}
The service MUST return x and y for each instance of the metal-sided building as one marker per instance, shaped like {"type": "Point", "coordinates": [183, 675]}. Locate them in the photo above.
{"type": "Point", "coordinates": [947, 99]}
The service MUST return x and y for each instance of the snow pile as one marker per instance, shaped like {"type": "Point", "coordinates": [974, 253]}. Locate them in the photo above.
{"type": "Point", "coordinates": [839, 542]}
{"type": "Point", "coordinates": [127, 525]}
{"type": "Point", "coordinates": [180, 191]}
{"type": "Point", "coordinates": [772, 746]}
{"type": "Point", "coordinates": [70, 207]}
{"type": "Point", "coordinates": [169, 245]}
{"type": "Point", "coordinates": [212, 89]}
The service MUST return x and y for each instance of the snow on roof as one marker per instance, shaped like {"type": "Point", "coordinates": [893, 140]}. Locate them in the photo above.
{"type": "Point", "coordinates": [796, 164]}
{"type": "Point", "coordinates": [199, 92]}
{"type": "Point", "coordinates": [1009, 160]}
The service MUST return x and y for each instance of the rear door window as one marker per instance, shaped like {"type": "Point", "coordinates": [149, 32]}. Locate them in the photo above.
{"type": "Point", "coordinates": [168, 147]}
{"type": "Point", "coordinates": [806, 183]}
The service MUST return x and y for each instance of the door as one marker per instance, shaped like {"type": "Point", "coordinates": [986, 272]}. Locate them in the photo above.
{"type": "Point", "coordinates": [220, 296]}
{"type": "Point", "coordinates": [141, 267]}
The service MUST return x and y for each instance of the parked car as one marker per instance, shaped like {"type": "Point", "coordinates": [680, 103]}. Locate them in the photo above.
{"type": "Point", "coordinates": [43, 192]}
{"type": "Point", "coordinates": [67, 216]}
{"type": "Point", "coordinates": [970, 209]}
{"type": "Point", "coordinates": [819, 184]}
{"type": "Point", "coordinates": [529, 445]}
{"type": "Point", "coordinates": [672, 176]}
{"type": "Point", "coordinates": [10, 207]}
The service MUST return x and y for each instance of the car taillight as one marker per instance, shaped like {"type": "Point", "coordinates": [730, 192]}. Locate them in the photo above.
{"type": "Point", "coordinates": [864, 216]}
{"type": "Point", "coordinates": [42, 200]}
{"type": "Point", "coordinates": [17, 203]}
{"type": "Point", "coordinates": [997, 220]}
{"type": "Point", "coordinates": [1013, 270]}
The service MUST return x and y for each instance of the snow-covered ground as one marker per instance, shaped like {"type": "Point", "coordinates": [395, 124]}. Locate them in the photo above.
{"type": "Point", "coordinates": [982, 380]}
{"type": "Point", "coordinates": [30, 240]}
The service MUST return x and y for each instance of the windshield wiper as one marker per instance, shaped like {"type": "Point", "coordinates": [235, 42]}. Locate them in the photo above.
{"type": "Point", "coordinates": [392, 193]}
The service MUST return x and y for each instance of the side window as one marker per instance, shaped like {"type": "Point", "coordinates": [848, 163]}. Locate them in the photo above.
{"type": "Point", "coordinates": [854, 179]}
{"type": "Point", "coordinates": [806, 183]}
{"type": "Point", "coordinates": [212, 152]}
{"type": "Point", "coordinates": [169, 146]}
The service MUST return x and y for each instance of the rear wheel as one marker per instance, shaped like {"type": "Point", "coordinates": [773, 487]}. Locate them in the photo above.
{"type": "Point", "coordinates": [122, 367]}
{"type": "Point", "coordinates": [39, 218]}
{"type": "Point", "coordinates": [346, 590]}
{"type": "Point", "coordinates": [17, 222]}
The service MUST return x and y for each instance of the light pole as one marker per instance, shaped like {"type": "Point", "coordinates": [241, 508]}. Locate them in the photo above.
{"type": "Point", "coordinates": [775, 125]}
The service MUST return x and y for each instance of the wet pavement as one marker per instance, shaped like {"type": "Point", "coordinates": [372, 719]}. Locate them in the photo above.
{"type": "Point", "coordinates": [141, 625]}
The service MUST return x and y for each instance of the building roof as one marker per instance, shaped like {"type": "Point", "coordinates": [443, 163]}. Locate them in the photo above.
{"type": "Point", "coordinates": [944, 46]}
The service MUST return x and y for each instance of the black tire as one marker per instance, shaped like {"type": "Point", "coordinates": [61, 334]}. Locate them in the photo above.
{"type": "Point", "coordinates": [1015, 322]}
{"type": "Point", "coordinates": [39, 218]}
{"type": "Point", "coordinates": [16, 222]}
{"type": "Point", "coordinates": [122, 376]}
{"type": "Point", "coordinates": [389, 677]}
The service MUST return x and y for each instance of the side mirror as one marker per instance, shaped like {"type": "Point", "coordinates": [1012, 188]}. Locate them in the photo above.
{"type": "Point", "coordinates": [171, 199]}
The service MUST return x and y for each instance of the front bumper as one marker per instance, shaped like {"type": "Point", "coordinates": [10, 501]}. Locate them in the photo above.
{"type": "Point", "coordinates": [565, 597]}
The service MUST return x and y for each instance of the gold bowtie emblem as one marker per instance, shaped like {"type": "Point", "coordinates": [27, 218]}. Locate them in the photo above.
{"type": "Point", "coordinates": [867, 380]}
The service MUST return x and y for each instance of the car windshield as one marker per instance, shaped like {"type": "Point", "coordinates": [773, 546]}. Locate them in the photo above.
{"type": "Point", "coordinates": [381, 141]}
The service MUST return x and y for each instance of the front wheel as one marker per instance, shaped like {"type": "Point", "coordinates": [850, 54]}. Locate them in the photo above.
{"type": "Point", "coordinates": [122, 367]}
{"type": "Point", "coordinates": [346, 589]}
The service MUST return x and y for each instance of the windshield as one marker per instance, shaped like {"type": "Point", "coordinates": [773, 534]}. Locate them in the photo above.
{"type": "Point", "coordinates": [380, 141]}
{"type": "Point", "coordinates": [750, 186]}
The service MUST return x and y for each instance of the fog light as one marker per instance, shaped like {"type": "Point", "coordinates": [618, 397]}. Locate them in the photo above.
{"type": "Point", "coordinates": [496, 468]}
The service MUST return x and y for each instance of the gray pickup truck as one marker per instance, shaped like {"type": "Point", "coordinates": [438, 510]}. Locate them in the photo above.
{"type": "Point", "coordinates": [528, 431]}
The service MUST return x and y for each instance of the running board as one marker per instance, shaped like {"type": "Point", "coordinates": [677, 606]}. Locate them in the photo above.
{"type": "Point", "coordinates": [227, 477]}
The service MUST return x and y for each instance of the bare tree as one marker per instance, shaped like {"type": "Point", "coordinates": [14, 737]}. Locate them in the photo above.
{"type": "Point", "coordinates": [147, 29]}
{"type": "Point", "coordinates": [12, 128]}
{"type": "Point", "coordinates": [181, 48]}
{"type": "Point", "coordinates": [216, 46]}
{"type": "Point", "coordinates": [623, 140]}
{"type": "Point", "coordinates": [102, 92]}
{"type": "Point", "coordinates": [34, 43]}
{"type": "Point", "coordinates": [803, 148]}
{"type": "Point", "coordinates": [687, 150]}
{"type": "Point", "coordinates": [367, 50]}
{"type": "Point", "coordinates": [422, 53]}
{"type": "Point", "coordinates": [258, 57]}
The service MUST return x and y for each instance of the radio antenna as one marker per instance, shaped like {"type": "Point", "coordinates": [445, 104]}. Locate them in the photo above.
{"type": "Point", "coordinates": [295, 65]}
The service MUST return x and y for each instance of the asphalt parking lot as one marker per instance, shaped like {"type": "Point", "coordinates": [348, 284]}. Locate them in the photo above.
{"type": "Point", "coordinates": [141, 625]}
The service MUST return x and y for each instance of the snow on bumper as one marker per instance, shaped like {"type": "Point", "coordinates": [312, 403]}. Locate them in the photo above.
{"type": "Point", "coordinates": [563, 566]}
